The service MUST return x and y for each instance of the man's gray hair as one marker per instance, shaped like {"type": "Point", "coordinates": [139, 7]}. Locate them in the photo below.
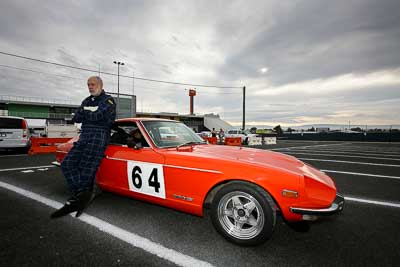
{"type": "Point", "coordinates": [99, 80]}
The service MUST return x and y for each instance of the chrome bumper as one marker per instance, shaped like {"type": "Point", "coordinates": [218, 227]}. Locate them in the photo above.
{"type": "Point", "coordinates": [56, 163]}
{"type": "Point", "coordinates": [336, 207]}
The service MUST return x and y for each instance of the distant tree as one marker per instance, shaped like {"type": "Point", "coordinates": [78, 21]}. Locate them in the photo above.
{"type": "Point", "coordinates": [290, 130]}
{"type": "Point", "coordinates": [253, 130]}
{"type": "Point", "coordinates": [376, 130]}
{"type": "Point", "coordinates": [312, 129]}
{"type": "Point", "coordinates": [278, 130]}
{"type": "Point", "coordinates": [357, 129]}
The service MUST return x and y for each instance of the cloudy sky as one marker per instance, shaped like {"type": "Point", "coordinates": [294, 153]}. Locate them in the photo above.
{"type": "Point", "coordinates": [302, 62]}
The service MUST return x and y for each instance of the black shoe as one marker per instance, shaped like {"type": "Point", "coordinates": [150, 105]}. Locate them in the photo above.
{"type": "Point", "coordinates": [84, 199]}
{"type": "Point", "coordinates": [70, 206]}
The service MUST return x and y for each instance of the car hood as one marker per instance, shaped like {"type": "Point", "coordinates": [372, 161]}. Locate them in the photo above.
{"type": "Point", "coordinates": [263, 158]}
{"type": "Point", "coordinates": [259, 158]}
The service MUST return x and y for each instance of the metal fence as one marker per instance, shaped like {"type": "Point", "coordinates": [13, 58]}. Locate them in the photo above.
{"type": "Point", "coordinates": [39, 115]}
{"type": "Point", "coordinates": [340, 136]}
{"type": "Point", "coordinates": [31, 99]}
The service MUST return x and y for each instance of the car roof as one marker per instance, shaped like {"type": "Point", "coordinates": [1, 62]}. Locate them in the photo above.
{"type": "Point", "coordinates": [143, 119]}
{"type": "Point", "coordinates": [11, 117]}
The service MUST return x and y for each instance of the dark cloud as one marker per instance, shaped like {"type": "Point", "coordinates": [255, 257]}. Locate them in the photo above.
{"type": "Point", "coordinates": [317, 39]}
{"type": "Point", "coordinates": [209, 42]}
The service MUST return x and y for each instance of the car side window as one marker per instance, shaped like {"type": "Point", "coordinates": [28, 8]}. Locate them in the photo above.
{"type": "Point", "coordinates": [122, 134]}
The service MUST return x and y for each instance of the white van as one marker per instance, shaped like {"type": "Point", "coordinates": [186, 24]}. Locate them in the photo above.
{"type": "Point", "coordinates": [14, 133]}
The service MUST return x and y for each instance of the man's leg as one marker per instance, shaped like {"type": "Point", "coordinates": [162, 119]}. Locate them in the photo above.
{"type": "Point", "coordinates": [90, 161]}
{"type": "Point", "coordinates": [69, 167]}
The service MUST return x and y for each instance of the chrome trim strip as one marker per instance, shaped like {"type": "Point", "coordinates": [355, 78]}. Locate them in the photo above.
{"type": "Point", "coordinates": [192, 169]}
{"type": "Point", "coordinates": [336, 207]}
{"type": "Point", "coordinates": [170, 166]}
{"type": "Point", "coordinates": [107, 157]}
{"type": "Point", "coordinates": [142, 128]}
{"type": "Point", "coordinates": [182, 197]}
{"type": "Point", "coordinates": [147, 133]}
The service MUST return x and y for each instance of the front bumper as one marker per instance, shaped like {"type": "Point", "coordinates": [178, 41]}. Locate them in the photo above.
{"type": "Point", "coordinates": [336, 207]}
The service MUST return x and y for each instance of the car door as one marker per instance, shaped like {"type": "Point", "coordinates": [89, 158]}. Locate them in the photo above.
{"type": "Point", "coordinates": [133, 171]}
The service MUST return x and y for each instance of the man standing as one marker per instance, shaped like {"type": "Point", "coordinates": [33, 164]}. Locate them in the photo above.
{"type": "Point", "coordinates": [213, 133]}
{"type": "Point", "coordinates": [221, 135]}
{"type": "Point", "coordinates": [97, 114]}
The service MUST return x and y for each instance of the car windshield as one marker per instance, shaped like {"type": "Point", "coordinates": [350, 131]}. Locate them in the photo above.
{"type": "Point", "coordinates": [171, 134]}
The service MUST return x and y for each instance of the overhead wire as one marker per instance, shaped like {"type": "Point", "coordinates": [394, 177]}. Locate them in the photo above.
{"type": "Point", "coordinates": [114, 83]}
{"type": "Point", "coordinates": [113, 74]}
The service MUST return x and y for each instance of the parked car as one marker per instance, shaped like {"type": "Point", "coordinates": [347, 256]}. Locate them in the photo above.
{"type": "Point", "coordinates": [236, 133]}
{"type": "Point", "coordinates": [204, 134]}
{"type": "Point", "coordinates": [244, 135]}
{"type": "Point", "coordinates": [14, 133]}
{"type": "Point", "coordinates": [245, 188]}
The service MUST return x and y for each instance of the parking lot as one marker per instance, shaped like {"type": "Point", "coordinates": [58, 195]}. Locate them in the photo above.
{"type": "Point", "coordinates": [119, 231]}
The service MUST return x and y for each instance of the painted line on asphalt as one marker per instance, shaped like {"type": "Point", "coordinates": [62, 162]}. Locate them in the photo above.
{"type": "Point", "coordinates": [363, 174]}
{"type": "Point", "coordinates": [16, 155]}
{"type": "Point", "coordinates": [26, 168]}
{"type": "Point", "coordinates": [284, 148]}
{"type": "Point", "coordinates": [352, 162]}
{"type": "Point", "coordinates": [128, 237]}
{"type": "Point", "coordinates": [336, 155]}
{"type": "Point", "coordinates": [374, 202]}
{"type": "Point", "coordinates": [343, 152]}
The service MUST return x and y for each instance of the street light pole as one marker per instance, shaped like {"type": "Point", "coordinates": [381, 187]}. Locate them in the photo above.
{"type": "Point", "coordinates": [118, 63]}
{"type": "Point", "coordinates": [244, 109]}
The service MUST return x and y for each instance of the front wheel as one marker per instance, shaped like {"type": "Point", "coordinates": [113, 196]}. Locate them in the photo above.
{"type": "Point", "coordinates": [243, 213]}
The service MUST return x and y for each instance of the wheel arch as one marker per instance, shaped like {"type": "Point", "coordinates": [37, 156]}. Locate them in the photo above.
{"type": "Point", "coordinates": [213, 191]}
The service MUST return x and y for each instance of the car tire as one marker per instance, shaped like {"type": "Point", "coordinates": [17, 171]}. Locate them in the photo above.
{"type": "Point", "coordinates": [243, 213]}
{"type": "Point", "coordinates": [22, 150]}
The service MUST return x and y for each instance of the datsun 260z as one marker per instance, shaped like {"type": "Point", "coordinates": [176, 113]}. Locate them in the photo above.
{"type": "Point", "coordinates": [244, 187]}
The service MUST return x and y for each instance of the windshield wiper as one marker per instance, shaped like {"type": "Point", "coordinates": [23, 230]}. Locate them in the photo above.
{"type": "Point", "coordinates": [190, 143]}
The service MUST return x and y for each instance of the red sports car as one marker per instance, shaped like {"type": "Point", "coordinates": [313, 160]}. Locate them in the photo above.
{"type": "Point", "coordinates": [246, 188]}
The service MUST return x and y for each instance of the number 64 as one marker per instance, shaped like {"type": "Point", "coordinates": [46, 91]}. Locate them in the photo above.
{"type": "Point", "coordinates": [152, 181]}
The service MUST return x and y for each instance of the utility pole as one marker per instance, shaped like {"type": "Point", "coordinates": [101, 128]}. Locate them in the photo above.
{"type": "Point", "coordinates": [244, 108]}
{"type": "Point", "coordinates": [134, 98]}
{"type": "Point", "coordinates": [118, 63]}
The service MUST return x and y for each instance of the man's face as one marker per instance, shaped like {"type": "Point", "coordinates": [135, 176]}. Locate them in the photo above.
{"type": "Point", "coordinates": [94, 87]}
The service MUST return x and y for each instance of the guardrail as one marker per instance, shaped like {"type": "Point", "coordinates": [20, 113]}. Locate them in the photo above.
{"type": "Point", "coordinates": [40, 115]}
{"type": "Point", "coordinates": [233, 141]}
{"type": "Point", "coordinates": [32, 99]}
{"type": "Point", "coordinates": [211, 140]}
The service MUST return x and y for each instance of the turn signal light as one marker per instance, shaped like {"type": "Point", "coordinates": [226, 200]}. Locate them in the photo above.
{"type": "Point", "coordinates": [289, 193]}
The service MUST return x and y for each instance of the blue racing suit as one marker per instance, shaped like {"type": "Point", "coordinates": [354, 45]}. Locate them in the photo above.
{"type": "Point", "coordinates": [81, 163]}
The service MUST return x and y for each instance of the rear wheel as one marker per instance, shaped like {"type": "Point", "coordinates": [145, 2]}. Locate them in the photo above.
{"type": "Point", "coordinates": [22, 150]}
{"type": "Point", "coordinates": [243, 213]}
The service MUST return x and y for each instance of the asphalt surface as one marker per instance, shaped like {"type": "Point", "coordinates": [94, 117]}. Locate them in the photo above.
{"type": "Point", "coordinates": [365, 234]}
